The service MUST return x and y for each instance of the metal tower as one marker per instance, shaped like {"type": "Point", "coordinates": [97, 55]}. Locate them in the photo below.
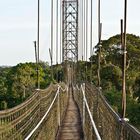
{"type": "Point", "coordinates": [70, 30]}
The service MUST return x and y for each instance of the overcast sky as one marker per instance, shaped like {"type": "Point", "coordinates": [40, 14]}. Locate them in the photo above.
{"type": "Point", "coordinates": [18, 19]}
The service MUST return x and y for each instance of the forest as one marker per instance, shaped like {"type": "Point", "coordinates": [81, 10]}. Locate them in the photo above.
{"type": "Point", "coordinates": [18, 83]}
{"type": "Point", "coordinates": [111, 74]}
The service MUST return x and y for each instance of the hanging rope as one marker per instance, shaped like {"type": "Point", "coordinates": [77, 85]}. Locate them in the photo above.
{"type": "Point", "coordinates": [60, 30]}
{"type": "Point", "coordinates": [91, 44]}
{"type": "Point", "coordinates": [52, 29]}
{"type": "Point", "coordinates": [57, 11]}
{"type": "Point", "coordinates": [82, 29]}
{"type": "Point", "coordinates": [38, 43]}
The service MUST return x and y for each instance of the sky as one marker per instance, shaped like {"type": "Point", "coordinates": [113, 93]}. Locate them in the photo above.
{"type": "Point", "coordinates": [18, 26]}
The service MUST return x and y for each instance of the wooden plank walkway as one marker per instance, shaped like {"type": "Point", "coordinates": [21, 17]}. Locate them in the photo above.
{"type": "Point", "coordinates": [71, 128]}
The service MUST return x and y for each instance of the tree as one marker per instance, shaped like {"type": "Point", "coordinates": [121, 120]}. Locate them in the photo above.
{"type": "Point", "coordinates": [111, 74]}
{"type": "Point", "coordinates": [17, 83]}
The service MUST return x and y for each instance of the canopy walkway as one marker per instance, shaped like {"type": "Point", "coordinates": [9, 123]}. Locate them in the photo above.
{"type": "Point", "coordinates": [64, 113]}
{"type": "Point", "coordinates": [71, 110]}
{"type": "Point", "coordinates": [71, 127]}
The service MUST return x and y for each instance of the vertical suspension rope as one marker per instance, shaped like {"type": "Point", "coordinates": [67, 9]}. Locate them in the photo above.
{"type": "Point", "coordinates": [91, 31]}
{"type": "Point", "coordinates": [99, 41]}
{"type": "Point", "coordinates": [35, 51]}
{"type": "Point", "coordinates": [60, 31]}
{"type": "Point", "coordinates": [86, 30]}
{"type": "Point", "coordinates": [57, 11]}
{"type": "Point", "coordinates": [91, 45]}
{"type": "Point", "coordinates": [57, 31]}
{"type": "Point", "coordinates": [52, 28]}
{"type": "Point", "coordinates": [36, 58]}
{"type": "Point", "coordinates": [84, 27]}
{"type": "Point", "coordinates": [52, 38]}
{"type": "Point", "coordinates": [86, 37]}
{"type": "Point", "coordinates": [38, 32]}
{"type": "Point", "coordinates": [99, 18]}
{"type": "Point", "coordinates": [38, 43]}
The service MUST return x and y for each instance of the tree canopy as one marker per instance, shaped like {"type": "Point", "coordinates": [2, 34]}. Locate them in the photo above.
{"type": "Point", "coordinates": [18, 82]}
{"type": "Point", "coordinates": [111, 74]}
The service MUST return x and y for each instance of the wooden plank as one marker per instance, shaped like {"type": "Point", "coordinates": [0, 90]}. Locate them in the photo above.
{"type": "Point", "coordinates": [71, 128]}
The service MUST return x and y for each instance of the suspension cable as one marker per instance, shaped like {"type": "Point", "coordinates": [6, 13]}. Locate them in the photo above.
{"type": "Point", "coordinates": [86, 39]}
{"type": "Point", "coordinates": [99, 18]}
{"type": "Point", "coordinates": [38, 30]}
{"type": "Point", "coordinates": [82, 28]}
{"type": "Point", "coordinates": [57, 31]}
{"type": "Point", "coordinates": [60, 30]}
{"type": "Point", "coordinates": [91, 30]}
{"type": "Point", "coordinates": [38, 43]}
{"type": "Point", "coordinates": [91, 44]}
{"type": "Point", "coordinates": [99, 42]}
{"type": "Point", "coordinates": [84, 20]}
{"type": "Point", "coordinates": [52, 29]}
{"type": "Point", "coordinates": [57, 11]}
{"type": "Point", "coordinates": [86, 30]}
{"type": "Point", "coordinates": [51, 51]}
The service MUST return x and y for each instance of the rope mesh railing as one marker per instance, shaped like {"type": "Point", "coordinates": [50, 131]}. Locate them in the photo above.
{"type": "Point", "coordinates": [52, 121]}
{"type": "Point", "coordinates": [108, 123]}
{"type": "Point", "coordinates": [89, 127]}
{"type": "Point", "coordinates": [18, 122]}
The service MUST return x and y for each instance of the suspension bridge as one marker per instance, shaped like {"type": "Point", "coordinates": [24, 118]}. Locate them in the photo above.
{"type": "Point", "coordinates": [68, 110]}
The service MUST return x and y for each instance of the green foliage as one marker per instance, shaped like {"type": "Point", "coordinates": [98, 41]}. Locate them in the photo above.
{"type": "Point", "coordinates": [133, 112]}
{"type": "Point", "coordinates": [111, 74]}
{"type": "Point", "coordinates": [17, 83]}
{"type": "Point", "coordinates": [114, 98]}
{"type": "Point", "coordinates": [58, 73]}
{"type": "Point", "coordinates": [3, 105]}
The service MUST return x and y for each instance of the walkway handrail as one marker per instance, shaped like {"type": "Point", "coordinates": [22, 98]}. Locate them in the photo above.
{"type": "Point", "coordinates": [40, 122]}
{"type": "Point", "coordinates": [107, 119]}
{"type": "Point", "coordinates": [90, 115]}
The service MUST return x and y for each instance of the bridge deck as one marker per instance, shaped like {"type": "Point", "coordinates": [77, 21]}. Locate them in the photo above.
{"type": "Point", "coordinates": [71, 128]}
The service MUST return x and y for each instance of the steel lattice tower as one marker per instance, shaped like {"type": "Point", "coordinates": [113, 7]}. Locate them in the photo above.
{"type": "Point", "coordinates": [70, 30]}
